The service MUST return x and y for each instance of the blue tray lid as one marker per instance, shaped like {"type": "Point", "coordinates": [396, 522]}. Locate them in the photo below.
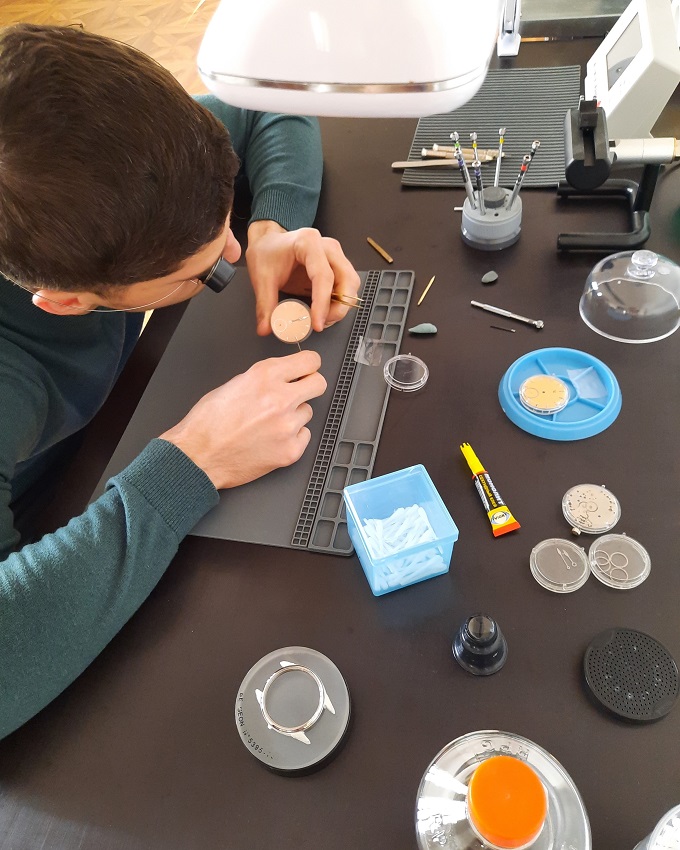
{"type": "Point", "coordinates": [594, 394]}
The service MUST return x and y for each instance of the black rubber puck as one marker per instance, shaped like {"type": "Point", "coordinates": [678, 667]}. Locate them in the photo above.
{"type": "Point", "coordinates": [631, 674]}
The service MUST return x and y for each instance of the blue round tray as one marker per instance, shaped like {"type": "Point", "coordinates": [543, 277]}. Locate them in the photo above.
{"type": "Point", "coordinates": [594, 394]}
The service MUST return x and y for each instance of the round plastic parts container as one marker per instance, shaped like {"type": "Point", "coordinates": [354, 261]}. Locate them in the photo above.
{"type": "Point", "coordinates": [632, 296]}
{"type": "Point", "coordinates": [498, 790]}
{"type": "Point", "coordinates": [587, 401]}
{"type": "Point", "coordinates": [406, 373]}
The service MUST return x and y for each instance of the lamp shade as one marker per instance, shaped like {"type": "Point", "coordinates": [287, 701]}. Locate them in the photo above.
{"type": "Point", "coordinates": [381, 58]}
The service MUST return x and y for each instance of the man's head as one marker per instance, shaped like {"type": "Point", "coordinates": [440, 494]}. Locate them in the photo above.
{"type": "Point", "coordinates": [110, 173]}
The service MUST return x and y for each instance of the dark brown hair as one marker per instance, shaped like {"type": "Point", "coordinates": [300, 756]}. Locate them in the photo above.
{"type": "Point", "coordinates": [110, 173]}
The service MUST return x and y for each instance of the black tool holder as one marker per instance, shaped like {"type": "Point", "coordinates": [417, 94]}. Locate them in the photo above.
{"type": "Point", "coordinates": [587, 166]}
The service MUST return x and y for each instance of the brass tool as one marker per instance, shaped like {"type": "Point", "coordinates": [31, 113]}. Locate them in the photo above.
{"type": "Point", "coordinates": [383, 253]}
{"type": "Point", "coordinates": [425, 291]}
{"type": "Point", "coordinates": [342, 298]}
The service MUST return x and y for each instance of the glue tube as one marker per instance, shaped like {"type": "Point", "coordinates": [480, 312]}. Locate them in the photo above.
{"type": "Point", "coordinates": [502, 521]}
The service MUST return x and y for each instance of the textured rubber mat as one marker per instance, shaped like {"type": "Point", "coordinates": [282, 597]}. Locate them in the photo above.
{"type": "Point", "coordinates": [300, 506]}
{"type": "Point", "coordinates": [531, 103]}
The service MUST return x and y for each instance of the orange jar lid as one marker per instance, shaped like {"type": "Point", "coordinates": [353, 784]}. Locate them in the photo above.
{"type": "Point", "coordinates": [506, 801]}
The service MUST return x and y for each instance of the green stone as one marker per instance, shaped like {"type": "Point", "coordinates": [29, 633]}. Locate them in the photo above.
{"type": "Point", "coordinates": [425, 328]}
{"type": "Point", "coordinates": [490, 277]}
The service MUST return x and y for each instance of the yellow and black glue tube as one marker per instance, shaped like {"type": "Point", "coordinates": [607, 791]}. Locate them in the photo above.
{"type": "Point", "coordinates": [498, 512]}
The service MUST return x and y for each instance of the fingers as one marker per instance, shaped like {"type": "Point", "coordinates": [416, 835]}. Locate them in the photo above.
{"type": "Point", "coordinates": [293, 367]}
{"type": "Point", "coordinates": [312, 386]}
{"type": "Point", "coordinates": [330, 272]}
{"type": "Point", "coordinates": [266, 299]}
{"type": "Point", "coordinates": [305, 412]}
{"type": "Point", "coordinates": [299, 261]}
{"type": "Point", "coordinates": [303, 439]}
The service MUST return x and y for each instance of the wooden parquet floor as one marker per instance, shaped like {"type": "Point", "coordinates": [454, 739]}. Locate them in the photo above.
{"type": "Point", "coordinates": [168, 30]}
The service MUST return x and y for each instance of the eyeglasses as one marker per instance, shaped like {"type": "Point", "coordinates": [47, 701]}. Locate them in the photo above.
{"type": "Point", "coordinates": [216, 278]}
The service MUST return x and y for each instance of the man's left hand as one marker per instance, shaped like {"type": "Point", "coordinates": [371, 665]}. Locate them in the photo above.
{"type": "Point", "coordinates": [298, 262]}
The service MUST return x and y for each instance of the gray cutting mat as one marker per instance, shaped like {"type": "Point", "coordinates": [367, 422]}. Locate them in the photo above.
{"type": "Point", "coordinates": [531, 103]}
{"type": "Point", "coordinates": [300, 506]}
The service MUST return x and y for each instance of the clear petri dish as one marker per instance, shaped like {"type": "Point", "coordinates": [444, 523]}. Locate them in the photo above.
{"type": "Point", "coordinates": [559, 565]}
{"type": "Point", "coordinates": [590, 508]}
{"type": "Point", "coordinates": [406, 373]}
{"type": "Point", "coordinates": [619, 561]}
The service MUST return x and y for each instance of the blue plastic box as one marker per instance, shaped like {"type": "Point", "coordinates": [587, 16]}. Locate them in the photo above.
{"type": "Point", "coordinates": [400, 528]}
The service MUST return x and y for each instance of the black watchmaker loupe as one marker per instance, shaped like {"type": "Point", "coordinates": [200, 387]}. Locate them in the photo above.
{"type": "Point", "coordinates": [479, 646]}
{"type": "Point", "coordinates": [219, 275]}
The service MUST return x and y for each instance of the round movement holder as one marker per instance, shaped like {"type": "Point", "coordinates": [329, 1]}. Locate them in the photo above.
{"type": "Point", "coordinates": [493, 224]}
{"type": "Point", "coordinates": [293, 710]}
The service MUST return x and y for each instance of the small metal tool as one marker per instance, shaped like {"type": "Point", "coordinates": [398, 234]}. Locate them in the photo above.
{"type": "Point", "coordinates": [464, 171]}
{"type": "Point", "coordinates": [526, 162]}
{"type": "Point", "coordinates": [537, 323]}
{"type": "Point", "coordinates": [524, 167]}
{"type": "Point", "coordinates": [347, 300]}
{"type": "Point", "coordinates": [473, 139]}
{"type": "Point", "coordinates": [501, 139]}
{"type": "Point", "coordinates": [476, 165]}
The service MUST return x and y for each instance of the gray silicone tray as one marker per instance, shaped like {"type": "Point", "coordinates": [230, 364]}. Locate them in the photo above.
{"type": "Point", "coordinates": [300, 506]}
{"type": "Point", "coordinates": [531, 103]}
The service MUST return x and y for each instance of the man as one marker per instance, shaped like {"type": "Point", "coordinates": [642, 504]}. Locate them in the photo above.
{"type": "Point", "coordinates": [116, 191]}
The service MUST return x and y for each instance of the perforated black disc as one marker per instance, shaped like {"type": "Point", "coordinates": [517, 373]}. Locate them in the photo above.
{"type": "Point", "coordinates": [631, 674]}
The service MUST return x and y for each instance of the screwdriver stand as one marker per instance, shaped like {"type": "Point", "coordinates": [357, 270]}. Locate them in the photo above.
{"type": "Point", "coordinates": [499, 227]}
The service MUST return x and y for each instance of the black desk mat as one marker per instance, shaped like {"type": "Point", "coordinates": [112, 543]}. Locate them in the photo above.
{"type": "Point", "coordinates": [300, 506]}
{"type": "Point", "coordinates": [531, 103]}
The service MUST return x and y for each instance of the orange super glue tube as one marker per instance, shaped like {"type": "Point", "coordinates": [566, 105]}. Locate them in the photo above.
{"type": "Point", "coordinates": [501, 519]}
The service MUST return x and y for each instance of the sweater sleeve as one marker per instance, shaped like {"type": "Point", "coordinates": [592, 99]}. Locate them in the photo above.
{"type": "Point", "coordinates": [62, 599]}
{"type": "Point", "coordinates": [281, 158]}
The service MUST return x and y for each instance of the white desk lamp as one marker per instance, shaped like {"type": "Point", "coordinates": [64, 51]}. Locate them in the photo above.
{"type": "Point", "coordinates": [379, 58]}
{"type": "Point", "coordinates": [636, 69]}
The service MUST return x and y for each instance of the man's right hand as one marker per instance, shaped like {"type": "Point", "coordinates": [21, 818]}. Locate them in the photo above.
{"type": "Point", "coordinates": [254, 423]}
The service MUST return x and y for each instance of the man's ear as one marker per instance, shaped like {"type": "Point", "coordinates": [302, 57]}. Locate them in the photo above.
{"type": "Point", "coordinates": [59, 303]}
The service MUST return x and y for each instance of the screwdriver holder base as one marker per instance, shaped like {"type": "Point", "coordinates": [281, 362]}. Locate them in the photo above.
{"type": "Point", "coordinates": [499, 227]}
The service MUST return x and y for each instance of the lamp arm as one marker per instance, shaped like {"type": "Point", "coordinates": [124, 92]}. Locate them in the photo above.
{"type": "Point", "coordinates": [508, 34]}
{"type": "Point", "coordinates": [649, 151]}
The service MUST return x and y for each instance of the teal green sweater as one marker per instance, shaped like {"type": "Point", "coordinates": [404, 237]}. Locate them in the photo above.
{"type": "Point", "coordinates": [63, 598]}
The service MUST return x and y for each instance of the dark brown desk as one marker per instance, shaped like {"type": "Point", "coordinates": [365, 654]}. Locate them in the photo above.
{"type": "Point", "coordinates": [142, 751]}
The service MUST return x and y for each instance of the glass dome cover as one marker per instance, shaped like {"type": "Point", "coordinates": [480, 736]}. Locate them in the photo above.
{"type": "Point", "coordinates": [632, 296]}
